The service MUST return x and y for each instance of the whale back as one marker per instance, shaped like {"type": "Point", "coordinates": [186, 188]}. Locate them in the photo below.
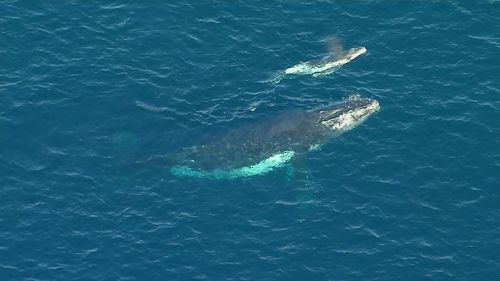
{"type": "Point", "coordinates": [250, 144]}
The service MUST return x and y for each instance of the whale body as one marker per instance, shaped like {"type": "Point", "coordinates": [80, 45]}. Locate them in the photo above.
{"type": "Point", "coordinates": [321, 67]}
{"type": "Point", "coordinates": [259, 148]}
{"type": "Point", "coordinates": [317, 67]}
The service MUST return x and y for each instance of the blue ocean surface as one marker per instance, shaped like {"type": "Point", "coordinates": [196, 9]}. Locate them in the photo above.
{"type": "Point", "coordinates": [93, 92]}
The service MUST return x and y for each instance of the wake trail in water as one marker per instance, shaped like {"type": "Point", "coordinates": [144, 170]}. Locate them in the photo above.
{"type": "Point", "coordinates": [150, 107]}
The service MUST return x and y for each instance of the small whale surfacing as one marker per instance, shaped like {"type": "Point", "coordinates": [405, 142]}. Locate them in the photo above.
{"type": "Point", "coordinates": [321, 67]}
{"type": "Point", "coordinates": [265, 146]}
{"type": "Point", "coordinates": [315, 68]}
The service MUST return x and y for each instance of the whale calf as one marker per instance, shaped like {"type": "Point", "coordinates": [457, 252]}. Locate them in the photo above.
{"type": "Point", "coordinates": [323, 66]}
{"type": "Point", "coordinates": [316, 68]}
{"type": "Point", "coordinates": [259, 148]}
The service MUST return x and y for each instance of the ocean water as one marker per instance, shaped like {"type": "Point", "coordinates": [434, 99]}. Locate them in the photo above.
{"type": "Point", "coordinates": [90, 92]}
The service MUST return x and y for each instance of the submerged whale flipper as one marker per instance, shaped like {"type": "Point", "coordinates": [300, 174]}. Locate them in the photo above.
{"type": "Point", "coordinates": [304, 185]}
{"type": "Point", "coordinates": [263, 167]}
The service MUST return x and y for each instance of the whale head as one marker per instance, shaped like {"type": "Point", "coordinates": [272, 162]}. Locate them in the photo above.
{"type": "Point", "coordinates": [355, 52]}
{"type": "Point", "coordinates": [347, 114]}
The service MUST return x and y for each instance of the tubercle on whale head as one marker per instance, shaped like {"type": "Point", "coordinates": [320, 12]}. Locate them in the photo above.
{"type": "Point", "coordinates": [347, 114]}
{"type": "Point", "coordinates": [356, 52]}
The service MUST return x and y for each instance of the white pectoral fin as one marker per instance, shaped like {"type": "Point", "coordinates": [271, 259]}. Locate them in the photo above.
{"type": "Point", "coordinates": [265, 166]}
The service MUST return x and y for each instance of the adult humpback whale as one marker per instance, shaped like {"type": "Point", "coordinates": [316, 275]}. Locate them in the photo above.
{"type": "Point", "coordinates": [323, 66]}
{"type": "Point", "coordinates": [260, 148]}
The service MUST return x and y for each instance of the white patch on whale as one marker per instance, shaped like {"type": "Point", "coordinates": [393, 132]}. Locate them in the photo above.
{"type": "Point", "coordinates": [263, 167]}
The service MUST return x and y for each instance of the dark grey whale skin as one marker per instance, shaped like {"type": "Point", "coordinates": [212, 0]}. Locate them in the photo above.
{"type": "Point", "coordinates": [295, 130]}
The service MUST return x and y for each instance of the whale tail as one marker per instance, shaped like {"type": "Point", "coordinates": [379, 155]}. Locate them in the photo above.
{"type": "Point", "coordinates": [277, 77]}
